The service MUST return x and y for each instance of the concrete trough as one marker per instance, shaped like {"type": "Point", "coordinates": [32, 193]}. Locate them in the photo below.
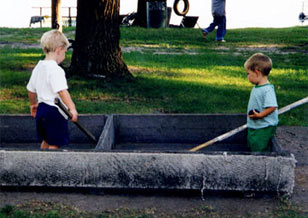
{"type": "Point", "coordinates": [144, 152]}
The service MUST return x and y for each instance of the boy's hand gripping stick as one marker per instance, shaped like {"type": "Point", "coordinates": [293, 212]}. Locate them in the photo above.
{"type": "Point", "coordinates": [82, 128]}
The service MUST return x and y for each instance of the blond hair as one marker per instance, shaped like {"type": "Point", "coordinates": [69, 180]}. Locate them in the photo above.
{"type": "Point", "coordinates": [259, 62]}
{"type": "Point", "coordinates": [53, 39]}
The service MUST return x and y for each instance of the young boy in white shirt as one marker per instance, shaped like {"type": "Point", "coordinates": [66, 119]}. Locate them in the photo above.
{"type": "Point", "coordinates": [48, 82]}
{"type": "Point", "coordinates": [262, 110]}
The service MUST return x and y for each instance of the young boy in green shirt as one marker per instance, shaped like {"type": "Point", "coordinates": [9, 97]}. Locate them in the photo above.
{"type": "Point", "coordinates": [262, 110]}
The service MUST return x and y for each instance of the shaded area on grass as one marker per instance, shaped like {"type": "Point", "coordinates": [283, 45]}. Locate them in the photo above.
{"type": "Point", "coordinates": [212, 80]}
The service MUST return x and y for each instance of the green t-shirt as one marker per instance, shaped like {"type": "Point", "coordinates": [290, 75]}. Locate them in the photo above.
{"type": "Point", "coordinates": [262, 97]}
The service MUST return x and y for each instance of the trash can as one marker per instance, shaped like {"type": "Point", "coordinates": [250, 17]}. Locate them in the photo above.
{"type": "Point", "coordinates": [157, 14]}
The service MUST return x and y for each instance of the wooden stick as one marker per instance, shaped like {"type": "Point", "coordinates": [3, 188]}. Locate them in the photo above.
{"type": "Point", "coordinates": [81, 127]}
{"type": "Point", "coordinates": [241, 128]}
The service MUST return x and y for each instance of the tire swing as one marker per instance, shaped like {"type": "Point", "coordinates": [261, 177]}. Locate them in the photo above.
{"type": "Point", "coordinates": [185, 10]}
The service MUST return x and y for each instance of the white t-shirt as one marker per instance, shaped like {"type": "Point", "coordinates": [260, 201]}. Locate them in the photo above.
{"type": "Point", "coordinates": [46, 81]}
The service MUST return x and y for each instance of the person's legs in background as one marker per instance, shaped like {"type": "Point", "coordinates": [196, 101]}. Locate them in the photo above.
{"type": "Point", "coordinates": [221, 29]}
{"type": "Point", "coordinates": [211, 27]}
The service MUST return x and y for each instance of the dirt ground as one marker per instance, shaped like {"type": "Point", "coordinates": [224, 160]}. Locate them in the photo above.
{"type": "Point", "coordinates": [294, 139]}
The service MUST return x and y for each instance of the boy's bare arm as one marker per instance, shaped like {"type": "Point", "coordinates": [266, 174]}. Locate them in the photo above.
{"type": "Point", "coordinates": [66, 98]}
{"type": "Point", "coordinates": [33, 103]}
{"type": "Point", "coordinates": [262, 114]}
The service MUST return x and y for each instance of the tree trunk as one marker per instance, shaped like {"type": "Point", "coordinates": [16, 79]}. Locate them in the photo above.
{"type": "Point", "coordinates": [141, 19]}
{"type": "Point", "coordinates": [96, 48]}
{"type": "Point", "coordinates": [56, 18]}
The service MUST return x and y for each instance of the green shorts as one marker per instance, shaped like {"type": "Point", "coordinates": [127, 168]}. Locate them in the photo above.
{"type": "Point", "coordinates": [258, 139]}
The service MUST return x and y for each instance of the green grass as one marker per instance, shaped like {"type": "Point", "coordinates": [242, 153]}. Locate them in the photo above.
{"type": "Point", "coordinates": [28, 35]}
{"type": "Point", "coordinates": [176, 71]}
{"type": "Point", "coordinates": [191, 38]}
{"type": "Point", "coordinates": [40, 209]}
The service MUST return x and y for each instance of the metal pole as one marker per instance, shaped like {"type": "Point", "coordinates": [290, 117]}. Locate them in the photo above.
{"type": "Point", "coordinates": [41, 16]}
{"type": "Point", "coordinates": [69, 17]}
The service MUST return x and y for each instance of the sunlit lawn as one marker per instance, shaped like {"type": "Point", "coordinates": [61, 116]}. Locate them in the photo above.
{"type": "Point", "coordinates": [190, 75]}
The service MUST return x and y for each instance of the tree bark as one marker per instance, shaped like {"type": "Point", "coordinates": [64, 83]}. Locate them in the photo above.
{"type": "Point", "coordinates": [56, 18]}
{"type": "Point", "coordinates": [141, 19]}
{"type": "Point", "coordinates": [97, 49]}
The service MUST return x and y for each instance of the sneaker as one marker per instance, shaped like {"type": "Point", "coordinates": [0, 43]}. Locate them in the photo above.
{"type": "Point", "coordinates": [204, 33]}
{"type": "Point", "coordinates": [222, 40]}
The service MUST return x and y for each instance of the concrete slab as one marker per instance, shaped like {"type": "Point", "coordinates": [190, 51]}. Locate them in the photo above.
{"type": "Point", "coordinates": [107, 139]}
{"type": "Point", "coordinates": [20, 128]}
{"type": "Point", "coordinates": [197, 171]}
{"type": "Point", "coordinates": [145, 152]}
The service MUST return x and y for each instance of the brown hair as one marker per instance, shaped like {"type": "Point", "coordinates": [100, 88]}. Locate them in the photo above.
{"type": "Point", "coordinates": [259, 62]}
{"type": "Point", "coordinates": [53, 39]}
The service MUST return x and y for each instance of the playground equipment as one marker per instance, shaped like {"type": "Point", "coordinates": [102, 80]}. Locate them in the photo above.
{"type": "Point", "coordinates": [37, 19]}
{"type": "Point", "coordinates": [302, 16]}
{"type": "Point", "coordinates": [156, 14]}
{"type": "Point", "coordinates": [145, 152]}
{"type": "Point", "coordinates": [68, 17]}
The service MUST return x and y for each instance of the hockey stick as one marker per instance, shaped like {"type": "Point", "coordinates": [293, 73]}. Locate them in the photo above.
{"type": "Point", "coordinates": [241, 128]}
{"type": "Point", "coordinates": [81, 127]}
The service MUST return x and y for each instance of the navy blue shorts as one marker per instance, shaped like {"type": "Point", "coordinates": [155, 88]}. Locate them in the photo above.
{"type": "Point", "coordinates": [51, 126]}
